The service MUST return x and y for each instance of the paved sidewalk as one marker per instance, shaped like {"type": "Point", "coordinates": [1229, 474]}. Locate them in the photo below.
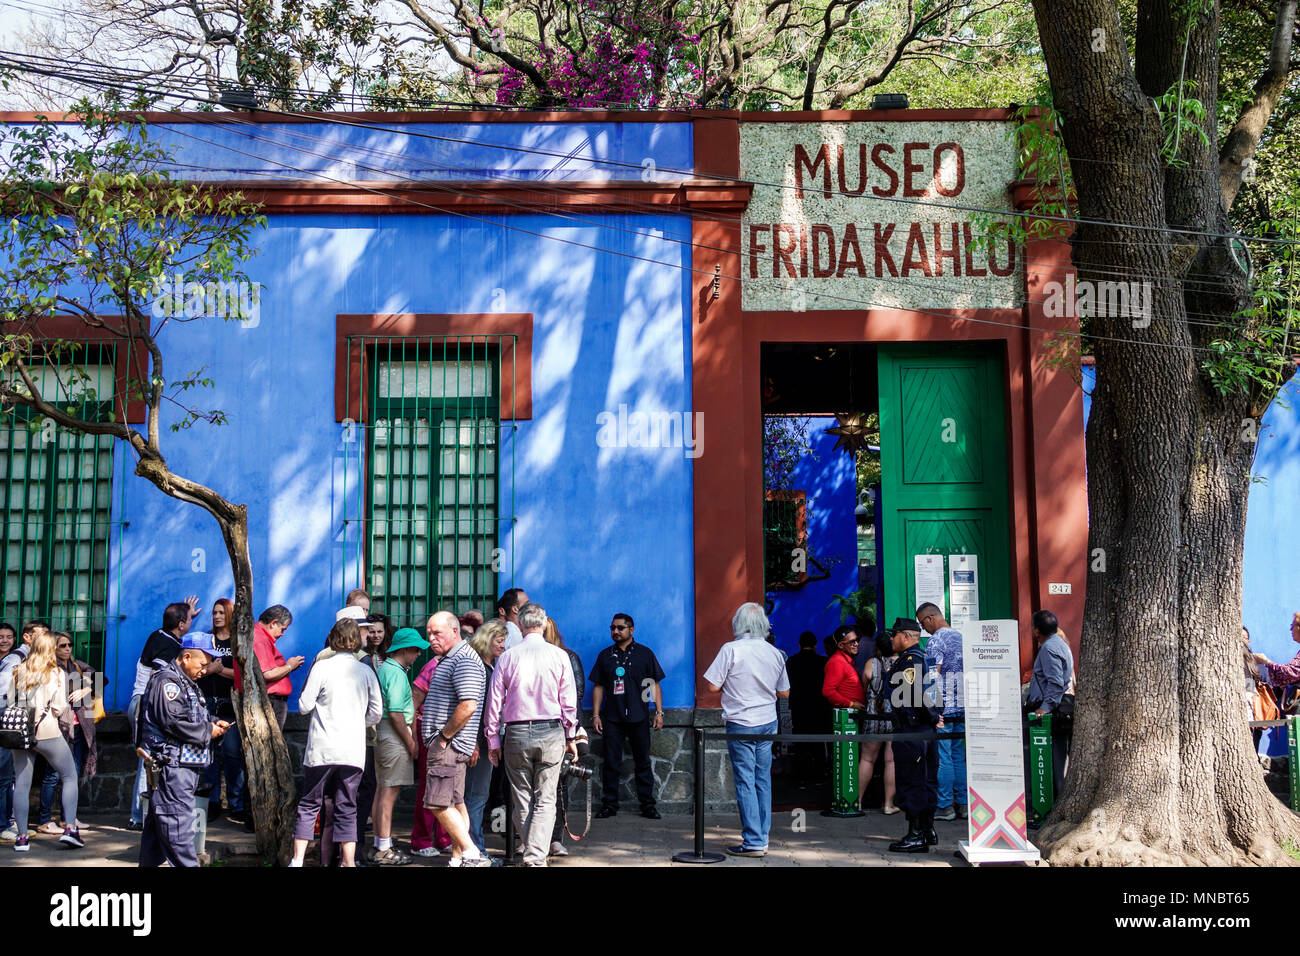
{"type": "Point", "coordinates": [625, 840]}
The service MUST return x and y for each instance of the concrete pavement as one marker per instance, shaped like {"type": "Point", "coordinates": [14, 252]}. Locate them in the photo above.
{"type": "Point", "coordinates": [797, 839]}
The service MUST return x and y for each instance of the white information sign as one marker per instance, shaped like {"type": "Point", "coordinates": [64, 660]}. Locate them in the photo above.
{"type": "Point", "coordinates": [929, 581]}
{"type": "Point", "coordinates": [995, 769]}
{"type": "Point", "coordinates": [963, 590]}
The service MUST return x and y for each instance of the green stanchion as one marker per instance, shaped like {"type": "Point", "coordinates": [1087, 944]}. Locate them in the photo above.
{"type": "Point", "coordinates": [1294, 752]}
{"type": "Point", "coordinates": [844, 792]}
{"type": "Point", "coordinates": [1041, 796]}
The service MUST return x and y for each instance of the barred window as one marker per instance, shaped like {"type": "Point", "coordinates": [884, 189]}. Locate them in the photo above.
{"type": "Point", "coordinates": [56, 490]}
{"type": "Point", "coordinates": [432, 476]}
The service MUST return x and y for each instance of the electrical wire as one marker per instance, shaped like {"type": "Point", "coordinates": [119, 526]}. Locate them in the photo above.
{"type": "Point", "coordinates": [850, 300]}
{"type": "Point", "coordinates": [1003, 213]}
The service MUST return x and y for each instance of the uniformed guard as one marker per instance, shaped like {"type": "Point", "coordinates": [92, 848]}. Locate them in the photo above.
{"type": "Point", "coordinates": [174, 728]}
{"type": "Point", "coordinates": [916, 762]}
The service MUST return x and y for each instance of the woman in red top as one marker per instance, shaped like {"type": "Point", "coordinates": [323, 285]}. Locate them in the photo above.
{"type": "Point", "coordinates": [842, 686]}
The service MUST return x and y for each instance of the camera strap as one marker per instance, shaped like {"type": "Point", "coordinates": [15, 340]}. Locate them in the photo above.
{"type": "Point", "coordinates": [573, 836]}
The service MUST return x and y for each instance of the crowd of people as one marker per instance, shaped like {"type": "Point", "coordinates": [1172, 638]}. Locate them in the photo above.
{"type": "Point", "coordinates": [495, 711]}
{"type": "Point", "coordinates": [496, 715]}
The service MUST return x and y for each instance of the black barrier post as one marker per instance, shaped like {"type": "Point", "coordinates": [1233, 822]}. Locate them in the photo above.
{"type": "Point", "coordinates": [698, 854]}
{"type": "Point", "coordinates": [509, 859]}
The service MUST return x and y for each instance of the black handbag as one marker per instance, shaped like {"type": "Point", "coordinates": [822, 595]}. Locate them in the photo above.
{"type": "Point", "coordinates": [18, 726]}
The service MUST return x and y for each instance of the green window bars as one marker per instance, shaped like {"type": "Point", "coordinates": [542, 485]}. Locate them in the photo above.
{"type": "Point", "coordinates": [55, 501]}
{"type": "Point", "coordinates": [431, 439]}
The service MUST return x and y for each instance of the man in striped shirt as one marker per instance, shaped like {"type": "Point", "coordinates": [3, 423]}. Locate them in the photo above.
{"type": "Point", "coordinates": [450, 718]}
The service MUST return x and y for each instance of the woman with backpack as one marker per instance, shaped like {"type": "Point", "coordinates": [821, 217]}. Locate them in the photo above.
{"type": "Point", "coordinates": [876, 720]}
{"type": "Point", "coordinates": [39, 685]}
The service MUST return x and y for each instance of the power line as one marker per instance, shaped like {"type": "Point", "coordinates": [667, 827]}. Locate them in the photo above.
{"type": "Point", "coordinates": [1003, 213]}
{"type": "Point", "coordinates": [830, 296]}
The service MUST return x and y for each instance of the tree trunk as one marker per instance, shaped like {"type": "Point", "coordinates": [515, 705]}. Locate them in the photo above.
{"type": "Point", "coordinates": [270, 788]}
{"type": "Point", "coordinates": [1162, 769]}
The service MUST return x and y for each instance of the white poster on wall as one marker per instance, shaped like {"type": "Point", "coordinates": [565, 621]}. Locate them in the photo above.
{"type": "Point", "coordinates": [929, 582]}
{"type": "Point", "coordinates": [963, 590]}
{"type": "Point", "coordinates": [995, 768]}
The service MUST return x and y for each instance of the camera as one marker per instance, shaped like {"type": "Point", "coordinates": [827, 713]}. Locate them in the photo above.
{"type": "Point", "coordinates": [572, 768]}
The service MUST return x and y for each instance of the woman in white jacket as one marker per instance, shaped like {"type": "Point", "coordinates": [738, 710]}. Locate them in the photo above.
{"type": "Point", "coordinates": [39, 683]}
{"type": "Point", "coordinates": [342, 697]}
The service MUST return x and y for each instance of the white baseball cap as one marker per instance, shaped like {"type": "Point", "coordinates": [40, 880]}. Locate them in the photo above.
{"type": "Point", "coordinates": [351, 613]}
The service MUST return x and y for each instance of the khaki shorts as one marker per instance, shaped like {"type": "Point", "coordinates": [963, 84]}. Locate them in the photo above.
{"type": "Point", "coordinates": [393, 764]}
{"type": "Point", "coordinates": [445, 785]}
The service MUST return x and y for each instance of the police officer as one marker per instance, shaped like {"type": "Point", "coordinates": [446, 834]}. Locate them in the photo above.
{"type": "Point", "coordinates": [174, 727]}
{"type": "Point", "coordinates": [916, 762]}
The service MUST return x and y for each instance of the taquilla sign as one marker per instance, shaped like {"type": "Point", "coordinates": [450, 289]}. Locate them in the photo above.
{"type": "Point", "coordinates": [862, 215]}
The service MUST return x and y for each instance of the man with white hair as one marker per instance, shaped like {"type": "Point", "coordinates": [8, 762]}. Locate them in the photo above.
{"type": "Point", "coordinates": [750, 674]}
{"type": "Point", "coordinates": [531, 704]}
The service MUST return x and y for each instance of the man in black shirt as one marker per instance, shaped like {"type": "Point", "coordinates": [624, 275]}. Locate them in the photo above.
{"type": "Point", "coordinates": [809, 712]}
{"type": "Point", "coordinates": [626, 676]}
{"type": "Point", "coordinates": [160, 649]}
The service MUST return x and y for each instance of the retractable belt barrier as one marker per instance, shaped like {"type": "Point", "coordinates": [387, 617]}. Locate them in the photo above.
{"type": "Point", "coordinates": [699, 854]}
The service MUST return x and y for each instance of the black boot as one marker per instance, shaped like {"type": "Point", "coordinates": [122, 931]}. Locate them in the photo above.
{"type": "Point", "coordinates": [927, 828]}
{"type": "Point", "coordinates": [914, 841]}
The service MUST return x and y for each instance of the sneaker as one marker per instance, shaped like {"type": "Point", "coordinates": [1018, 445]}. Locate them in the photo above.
{"type": "Point", "coordinates": [746, 851]}
{"type": "Point", "coordinates": [475, 861]}
{"type": "Point", "coordinates": [49, 828]}
{"type": "Point", "coordinates": [426, 851]}
{"type": "Point", "coordinates": [558, 849]}
{"type": "Point", "coordinates": [607, 812]}
{"type": "Point", "coordinates": [947, 813]}
{"type": "Point", "coordinates": [961, 811]}
{"type": "Point", "coordinates": [391, 857]}
{"type": "Point", "coordinates": [10, 833]}
{"type": "Point", "coordinates": [20, 844]}
{"type": "Point", "coordinates": [133, 825]}
{"type": "Point", "coordinates": [72, 838]}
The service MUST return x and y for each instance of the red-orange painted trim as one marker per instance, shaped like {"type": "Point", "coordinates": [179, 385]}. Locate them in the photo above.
{"type": "Point", "coordinates": [351, 395]}
{"type": "Point", "coordinates": [71, 328]}
{"type": "Point", "coordinates": [493, 198]}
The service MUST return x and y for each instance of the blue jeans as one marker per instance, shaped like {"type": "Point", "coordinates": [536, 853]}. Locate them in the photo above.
{"type": "Point", "coordinates": [6, 786]}
{"type": "Point", "coordinates": [139, 785]}
{"type": "Point", "coordinates": [751, 767]}
{"type": "Point", "coordinates": [478, 783]}
{"type": "Point", "coordinates": [52, 778]}
{"type": "Point", "coordinates": [227, 758]}
{"type": "Point", "coordinates": [952, 764]}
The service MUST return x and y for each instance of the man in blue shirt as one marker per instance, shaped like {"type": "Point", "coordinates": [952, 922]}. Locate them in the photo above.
{"type": "Point", "coordinates": [1053, 680]}
{"type": "Point", "coordinates": [944, 648]}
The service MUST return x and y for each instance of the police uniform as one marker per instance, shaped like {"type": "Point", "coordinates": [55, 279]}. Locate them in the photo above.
{"type": "Point", "coordinates": [916, 762]}
{"type": "Point", "coordinates": [173, 722]}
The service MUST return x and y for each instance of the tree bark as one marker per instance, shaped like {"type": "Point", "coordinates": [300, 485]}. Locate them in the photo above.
{"type": "Point", "coordinates": [1162, 770]}
{"type": "Point", "coordinates": [270, 786]}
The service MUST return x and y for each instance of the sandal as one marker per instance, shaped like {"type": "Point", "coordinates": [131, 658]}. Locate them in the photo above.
{"type": "Point", "coordinates": [390, 857]}
{"type": "Point", "coordinates": [888, 811]}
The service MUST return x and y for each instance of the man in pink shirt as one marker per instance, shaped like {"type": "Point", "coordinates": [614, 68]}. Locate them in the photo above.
{"type": "Point", "coordinates": [531, 705]}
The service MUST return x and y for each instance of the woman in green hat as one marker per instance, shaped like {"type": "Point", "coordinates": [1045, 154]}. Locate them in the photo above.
{"type": "Point", "coordinates": [396, 748]}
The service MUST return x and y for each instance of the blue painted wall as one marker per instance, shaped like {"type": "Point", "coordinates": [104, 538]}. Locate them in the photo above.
{"type": "Point", "coordinates": [598, 530]}
{"type": "Point", "coordinates": [1271, 575]}
{"type": "Point", "coordinates": [828, 478]}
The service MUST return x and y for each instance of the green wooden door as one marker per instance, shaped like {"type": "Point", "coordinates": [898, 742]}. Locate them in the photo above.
{"type": "Point", "coordinates": [943, 456]}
